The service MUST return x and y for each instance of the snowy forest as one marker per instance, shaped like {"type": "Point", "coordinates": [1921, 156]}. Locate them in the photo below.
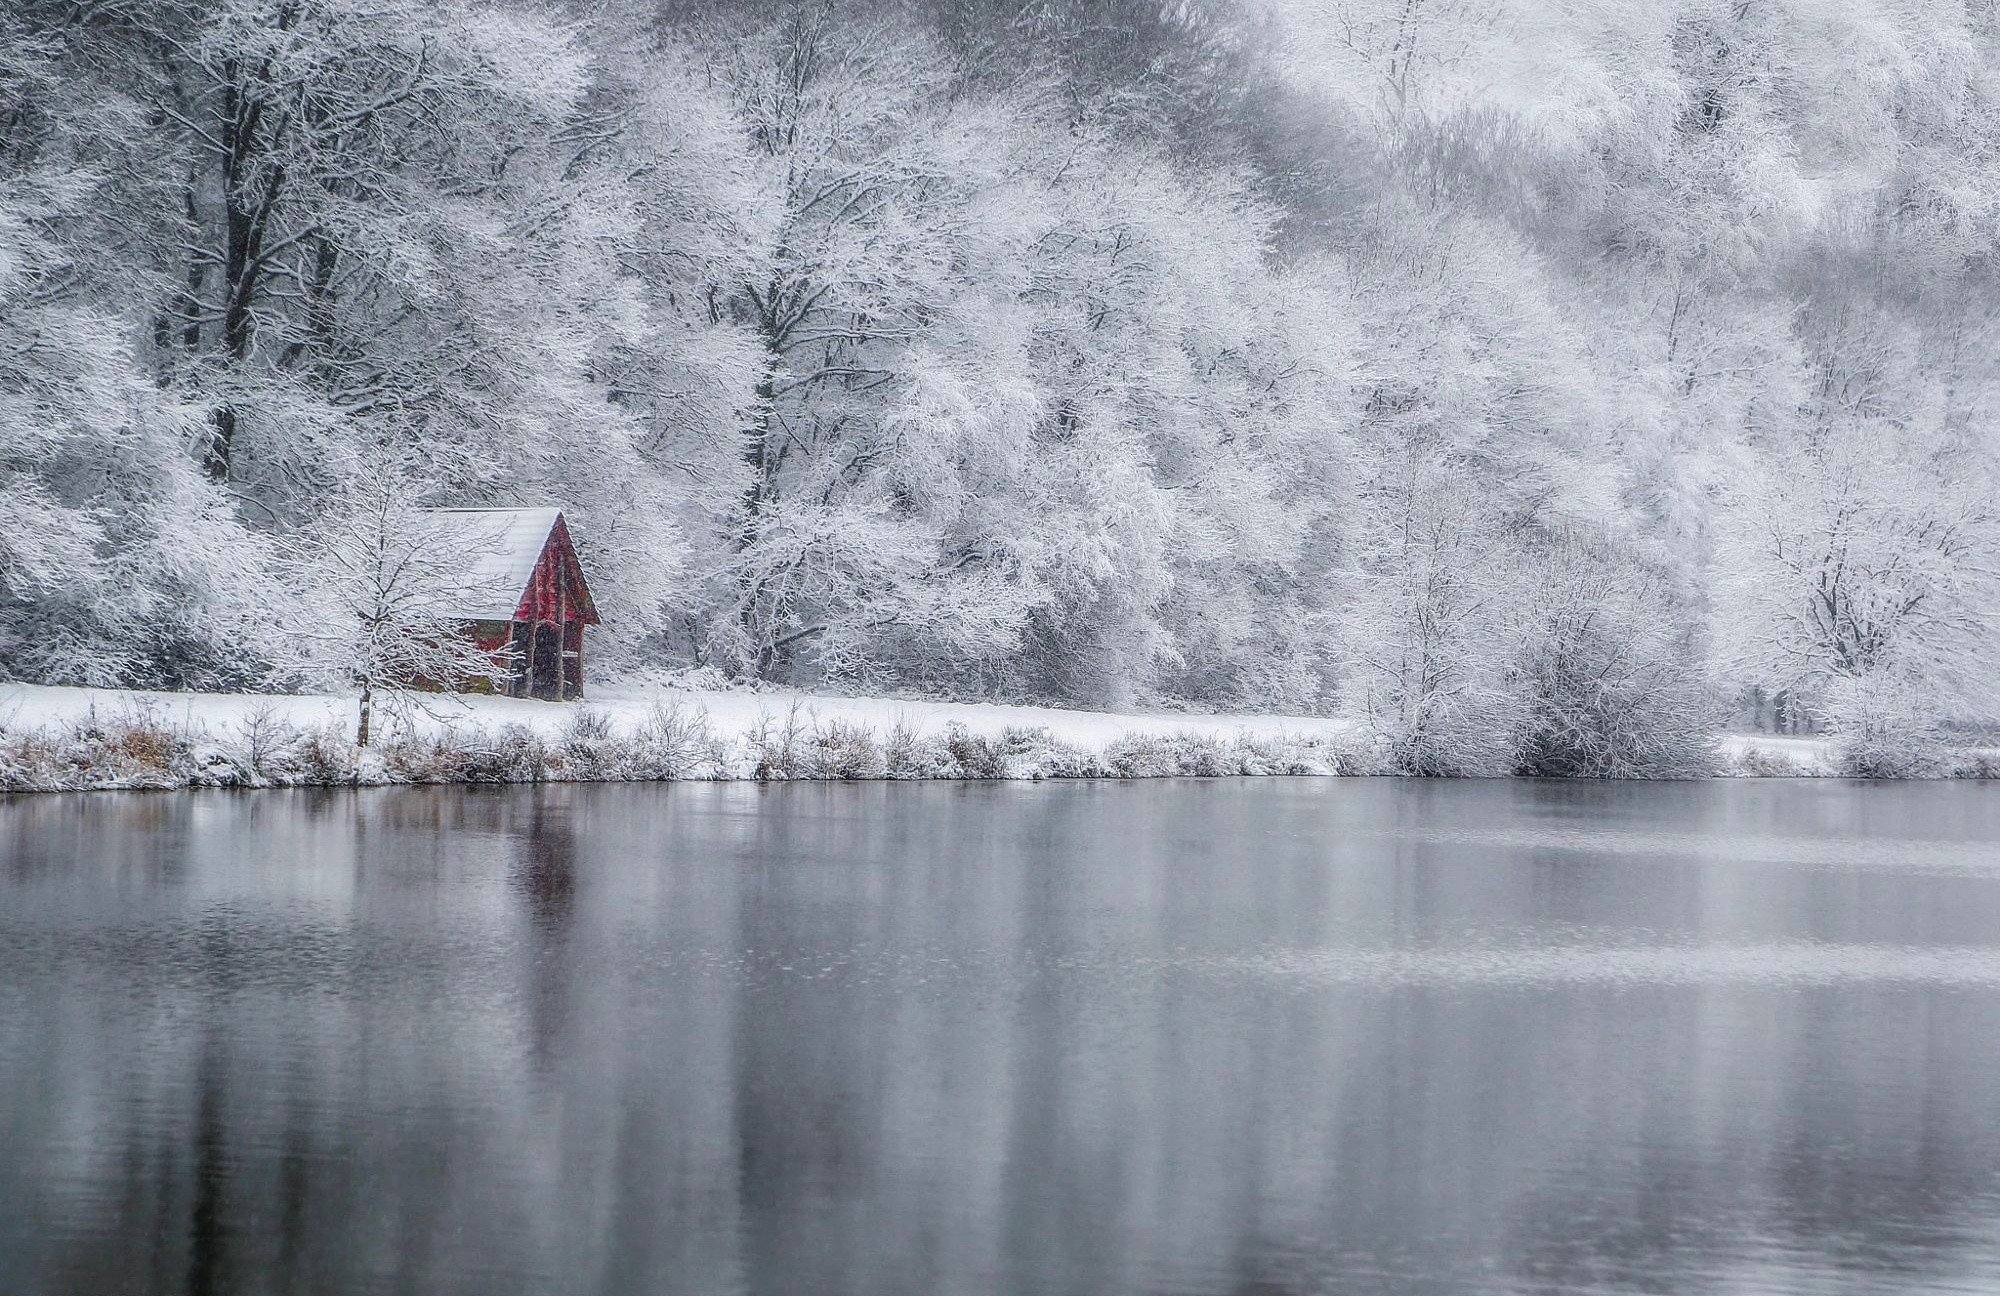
{"type": "Point", "coordinates": [1544, 387]}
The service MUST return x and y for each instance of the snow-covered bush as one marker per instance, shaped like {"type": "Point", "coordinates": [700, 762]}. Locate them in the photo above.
{"type": "Point", "coordinates": [907, 754]}
{"type": "Point", "coordinates": [847, 750]}
{"type": "Point", "coordinates": [1033, 752]}
{"type": "Point", "coordinates": [1167, 755]}
{"type": "Point", "coordinates": [1979, 763]}
{"type": "Point", "coordinates": [1764, 762]}
{"type": "Point", "coordinates": [1883, 727]}
{"type": "Point", "coordinates": [589, 751]}
{"type": "Point", "coordinates": [137, 747]}
{"type": "Point", "coordinates": [672, 742]}
{"type": "Point", "coordinates": [975, 755]}
{"type": "Point", "coordinates": [1609, 673]}
{"type": "Point", "coordinates": [131, 747]}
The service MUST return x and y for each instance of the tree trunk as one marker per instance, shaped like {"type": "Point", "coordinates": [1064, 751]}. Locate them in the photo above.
{"type": "Point", "coordinates": [222, 432]}
{"type": "Point", "coordinates": [246, 219]}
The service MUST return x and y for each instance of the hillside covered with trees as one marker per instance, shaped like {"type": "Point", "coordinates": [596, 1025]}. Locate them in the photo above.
{"type": "Point", "coordinates": [1544, 387]}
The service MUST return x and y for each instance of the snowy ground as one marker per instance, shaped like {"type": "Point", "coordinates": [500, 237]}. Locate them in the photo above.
{"type": "Point", "coordinates": [735, 717]}
{"type": "Point", "coordinates": [34, 706]}
{"type": "Point", "coordinates": [1807, 755]}
{"type": "Point", "coordinates": [55, 739]}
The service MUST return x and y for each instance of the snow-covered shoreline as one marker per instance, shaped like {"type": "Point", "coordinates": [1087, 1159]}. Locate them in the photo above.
{"type": "Point", "coordinates": [59, 739]}
{"type": "Point", "coordinates": [66, 739]}
{"type": "Point", "coordinates": [28, 706]}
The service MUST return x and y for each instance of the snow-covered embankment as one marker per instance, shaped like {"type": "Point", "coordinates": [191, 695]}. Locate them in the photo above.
{"type": "Point", "coordinates": [54, 739]}
{"type": "Point", "coordinates": [71, 738]}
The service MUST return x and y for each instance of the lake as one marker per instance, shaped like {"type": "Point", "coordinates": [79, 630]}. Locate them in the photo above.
{"type": "Point", "coordinates": [1187, 1036]}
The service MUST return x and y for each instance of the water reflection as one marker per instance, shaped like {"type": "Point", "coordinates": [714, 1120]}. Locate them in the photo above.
{"type": "Point", "coordinates": [1197, 1037]}
{"type": "Point", "coordinates": [544, 877]}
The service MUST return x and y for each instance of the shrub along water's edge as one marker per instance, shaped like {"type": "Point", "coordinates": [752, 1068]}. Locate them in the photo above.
{"type": "Point", "coordinates": [136, 749]}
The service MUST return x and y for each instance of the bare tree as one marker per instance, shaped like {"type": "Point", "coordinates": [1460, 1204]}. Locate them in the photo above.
{"type": "Point", "coordinates": [387, 585]}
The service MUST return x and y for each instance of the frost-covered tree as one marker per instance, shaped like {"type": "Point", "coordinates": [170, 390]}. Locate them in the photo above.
{"type": "Point", "coordinates": [1611, 674]}
{"type": "Point", "coordinates": [1509, 375]}
{"type": "Point", "coordinates": [1480, 432]}
{"type": "Point", "coordinates": [1190, 437]}
{"type": "Point", "coordinates": [1858, 563]}
{"type": "Point", "coordinates": [877, 378]}
{"type": "Point", "coordinates": [359, 222]}
{"type": "Point", "coordinates": [1406, 58]}
{"type": "Point", "coordinates": [118, 563]}
{"type": "Point", "coordinates": [383, 585]}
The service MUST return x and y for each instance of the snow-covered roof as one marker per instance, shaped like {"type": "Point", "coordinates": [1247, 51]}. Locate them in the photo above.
{"type": "Point", "coordinates": [501, 547]}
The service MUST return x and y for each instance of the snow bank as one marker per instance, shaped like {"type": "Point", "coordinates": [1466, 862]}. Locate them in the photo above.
{"type": "Point", "coordinates": [1772, 756]}
{"type": "Point", "coordinates": [68, 738]}
{"type": "Point", "coordinates": [74, 738]}
{"type": "Point", "coordinates": [32, 706]}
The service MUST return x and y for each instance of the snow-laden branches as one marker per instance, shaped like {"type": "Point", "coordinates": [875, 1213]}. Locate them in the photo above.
{"type": "Point", "coordinates": [1516, 379]}
{"type": "Point", "coordinates": [383, 588]}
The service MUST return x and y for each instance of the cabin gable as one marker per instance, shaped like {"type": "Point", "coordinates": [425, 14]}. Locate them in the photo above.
{"type": "Point", "coordinates": [556, 590]}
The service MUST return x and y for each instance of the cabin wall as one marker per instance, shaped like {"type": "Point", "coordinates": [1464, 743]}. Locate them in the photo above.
{"type": "Point", "coordinates": [555, 598]}
{"type": "Point", "coordinates": [490, 637]}
{"type": "Point", "coordinates": [549, 661]}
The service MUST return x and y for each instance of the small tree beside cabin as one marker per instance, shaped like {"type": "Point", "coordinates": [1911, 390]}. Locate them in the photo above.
{"type": "Point", "coordinates": [442, 600]}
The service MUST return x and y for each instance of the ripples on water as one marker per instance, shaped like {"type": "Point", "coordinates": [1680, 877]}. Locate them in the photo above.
{"type": "Point", "coordinates": [1204, 1037]}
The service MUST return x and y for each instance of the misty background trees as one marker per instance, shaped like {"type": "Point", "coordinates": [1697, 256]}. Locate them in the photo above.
{"type": "Point", "coordinates": [1542, 386]}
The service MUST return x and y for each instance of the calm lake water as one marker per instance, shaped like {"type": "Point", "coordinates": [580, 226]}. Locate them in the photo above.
{"type": "Point", "coordinates": [1282, 1036]}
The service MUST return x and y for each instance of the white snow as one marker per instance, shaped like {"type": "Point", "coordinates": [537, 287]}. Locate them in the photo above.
{"type": "Point", "coordinates": [1805, 753]}
{"type": "Point", "coordinates": [732, 714]}
{"type": "Point", "coordinates": [735, 715]}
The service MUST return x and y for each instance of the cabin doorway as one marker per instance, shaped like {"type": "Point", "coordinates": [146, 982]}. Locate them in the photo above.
{"type": "Point", "coordinates": [545, 670]}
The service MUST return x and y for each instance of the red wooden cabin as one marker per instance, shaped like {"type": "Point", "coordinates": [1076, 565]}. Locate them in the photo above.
{"type": "Point", "coordinates": [525, 592]}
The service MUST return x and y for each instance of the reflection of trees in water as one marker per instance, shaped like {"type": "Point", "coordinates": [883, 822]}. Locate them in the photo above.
{"type": "Point", "coordinates": [208, 1223]}
{"type": "Point", "coordinates": [544, 878]}
{"type": "Point", "coordinates": [48, 836]}
{"type": "Point", "coordinates": [544, 871]}
{"type": "Point", "coordinates": [1103, 1127]}
{"type": "Point", "coordinates": [1848, 1131]}
{"type": "Point", "coordinates": [882, 1040]}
